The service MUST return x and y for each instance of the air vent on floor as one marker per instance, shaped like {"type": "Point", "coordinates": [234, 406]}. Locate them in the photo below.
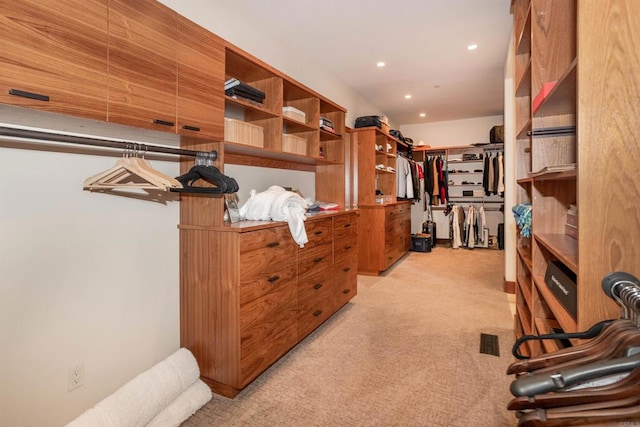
{"type": "Point", "coordinates": [489, 344]}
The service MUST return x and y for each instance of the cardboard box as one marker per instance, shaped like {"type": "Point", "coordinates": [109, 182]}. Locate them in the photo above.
{"type": "Point", "coordinates": [294, 144]}
{"type": "Point", "coordinates": [561, 281]}
{"type": "Point", "coordinates": [243, 132]}
{"type": "Point", "coordinates": [295, 114]}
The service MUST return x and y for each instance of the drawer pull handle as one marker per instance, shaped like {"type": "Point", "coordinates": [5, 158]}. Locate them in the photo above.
{"type": "Point", "coordinates": [30, 95]}
{"type": "Point", "coordinates": [346, 269]}
{"type": "Point", "coordinates": [317, 313]}
{"type": "Point", "coordinates": [317, 286]}
{"type": "Point", "coordinates": [191, 128]}
{"type": "Point", "coordinates": [273, 244]}
{"type": "Point", "coordinates": [163, 122]}
{"type": "Point", "coordinates": [273, 279]}
{"type": "Point", "coordinates": [316, 260]}
{"type": "Point", "coordinates": [347, 225]}
{"type": "Point", "coordinates": [319, 232]}
{"type": "Point", "coordinates": [347, 247]}
{"type": "Point", "coordinates": [346, 291]}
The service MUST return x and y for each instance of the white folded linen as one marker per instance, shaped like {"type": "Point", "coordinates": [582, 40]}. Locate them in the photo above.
{"type": "Point", "coordinates": [183, 407]}
{"type": "Point", "coordinates": [139, 400]}
{"type": "Point", "coordinates": [278, 204]}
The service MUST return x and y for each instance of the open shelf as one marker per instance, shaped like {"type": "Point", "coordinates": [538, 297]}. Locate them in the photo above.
{"type": "Point", "coordinates": [565, 248]}
{"type": "Point", "coordinates": [566, 321]}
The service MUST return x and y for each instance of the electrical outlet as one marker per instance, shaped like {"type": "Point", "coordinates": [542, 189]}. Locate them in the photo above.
{"type": "Point", "coordinates": [75, 377]}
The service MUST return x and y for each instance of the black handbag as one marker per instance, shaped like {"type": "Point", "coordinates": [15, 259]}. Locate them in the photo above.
{"type": "Point", "coordinates": [368, 121]}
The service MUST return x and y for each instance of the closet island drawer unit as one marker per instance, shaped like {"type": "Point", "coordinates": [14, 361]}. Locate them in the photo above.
{"type": "Point", "coordinates": [384, 236]}
{"type": "Point", "coordinates": [315, 282]}
{"type": "Point", "coordinates": [249, 294]}
{"type": "Point", "coordinates": [345, 259]}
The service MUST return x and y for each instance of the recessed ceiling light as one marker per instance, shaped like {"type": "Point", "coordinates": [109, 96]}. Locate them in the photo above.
{"type": "Point", "coordinates": [423, 114]}
{"type": "Point", "coordinates": [380, 64]}
{"type": "Point", "coordinates": [472, 47]}
{"type": "Point", "coordinates": [407, 96]}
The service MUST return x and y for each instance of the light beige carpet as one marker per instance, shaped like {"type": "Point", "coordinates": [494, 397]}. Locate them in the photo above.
{"type": "Point", "coordinates": [404, 352]}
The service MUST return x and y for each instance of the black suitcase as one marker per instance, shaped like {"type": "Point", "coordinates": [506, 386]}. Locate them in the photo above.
{"type": "Point", "coordinates": [368, 121]}
{"type": "Point", "coordinates": [429, 227]}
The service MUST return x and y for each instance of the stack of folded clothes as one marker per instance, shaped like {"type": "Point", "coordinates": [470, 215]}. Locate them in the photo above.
{"type": "Point", "coordinates": [234, 87]}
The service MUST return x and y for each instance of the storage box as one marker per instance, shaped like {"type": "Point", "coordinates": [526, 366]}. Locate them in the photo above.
{"type": "Point", "coordinates": [562, 283]}
{"type": "Point", "coordinates": [421, 243]}
{"type": "Point", "coordinates": [295, 114]}
{"type": "Point", "coordinates": [243, 132]}
{"type": "Point", "coordinates": [294, 144]}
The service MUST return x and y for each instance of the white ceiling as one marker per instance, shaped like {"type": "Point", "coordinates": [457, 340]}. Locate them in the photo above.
{"type": "Point", "coordinates": [423, 42]}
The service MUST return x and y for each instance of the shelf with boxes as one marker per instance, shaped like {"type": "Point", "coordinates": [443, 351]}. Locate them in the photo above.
{"type": "Point", "coordinates": [284, 120]}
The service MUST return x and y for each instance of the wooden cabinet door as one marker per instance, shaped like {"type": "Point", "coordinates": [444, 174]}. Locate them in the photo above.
{"type": "Point", "coordinates": [142, 64]}
{"type": "Point", "coordinates": [53, 56]}
{"type": "Point", "coordinates": [200, 81]}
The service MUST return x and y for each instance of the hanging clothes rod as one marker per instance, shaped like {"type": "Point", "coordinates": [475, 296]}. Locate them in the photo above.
{"type": "Point", "coordinates": [97, 142]}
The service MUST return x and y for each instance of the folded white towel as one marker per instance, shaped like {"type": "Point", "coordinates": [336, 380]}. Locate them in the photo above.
{"type": "Point", "coordinates": [278, 204]}
{"type": "Point", "coordinates": [183, 407]}
{"type": "Point", "coordinates": [142, 398]}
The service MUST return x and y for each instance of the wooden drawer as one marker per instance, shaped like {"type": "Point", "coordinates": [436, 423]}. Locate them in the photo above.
{"type": "Point", "coordinates": [316, 258]}
{"type": "Point", "coordinates": [314, 315]}
{"type": "Point", "coordinates": [345, 247]}
{"type": "Point", "coordinates": [278, 238]}
{"type": "Point", "coordinates": [345, 225]}
{"type": "Point", "coordinates": [314, 286]}
{"type": "Point", "coordinates": [268, 329]}
{"type": "Point", "coordinates": [319, 232]}
{"type": "Point", "coordinates": [345, 281]}
{"type": "Point", "coordinates": [256, 283]}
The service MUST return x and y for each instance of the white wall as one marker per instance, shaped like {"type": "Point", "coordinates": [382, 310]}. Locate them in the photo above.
{"type": "Point", "coordinates": [87, 278]}
{"type": "Point", "coordinates": [445, 134]}
{"type": "Point", "coordinates": [94, 278]}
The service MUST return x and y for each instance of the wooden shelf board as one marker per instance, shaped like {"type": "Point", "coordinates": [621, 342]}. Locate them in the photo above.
{"type": "Point", "coordinates": [561, 314]}
{"type": "Point", "coordinates": [562, 98]}
{"type": "Point", "coordinates": [526, 292]}
{"type": "Point", "coordinates": [525, 320]}
{"type": "Point", "coordinates": [522, 134]}
{"type": "Point", "coordinates": [296, 126]}
{"type": "Point", "coordinates": [525, 182]}
{"type": "Point", "coordinates": [329, 136]}
{"type": "Point", "coordinates": [543, 326]}
{"type": "Point", "coordinates": [565, 248]}
{"type": "Point", "coordinates": [239, 154]}
{"type": "Point", "coordinates": [524, 85]}
{"type": "Point", "coordinates": [526, 258]}
{"type": "Point", "coordinates": [255, 109]}
{"type": "Point", "coordinates": [556, 176]}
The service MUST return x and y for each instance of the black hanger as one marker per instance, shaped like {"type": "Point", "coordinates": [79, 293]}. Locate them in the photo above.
{"type": "Point", "coordinates": [222, 183]}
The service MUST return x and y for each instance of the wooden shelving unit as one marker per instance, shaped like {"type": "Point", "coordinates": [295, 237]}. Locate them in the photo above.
{"type": "Point", "coordinates": [569, 43]}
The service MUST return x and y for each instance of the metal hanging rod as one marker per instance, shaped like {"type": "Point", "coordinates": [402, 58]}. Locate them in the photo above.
{"type": "Point", "coordinates": [97, 142]}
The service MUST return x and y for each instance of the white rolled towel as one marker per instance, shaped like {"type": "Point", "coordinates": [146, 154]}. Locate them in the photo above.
{"type": "Point", "coordinates": [138, 401]}
{"type": "Point", "coordinates": [183, 407]}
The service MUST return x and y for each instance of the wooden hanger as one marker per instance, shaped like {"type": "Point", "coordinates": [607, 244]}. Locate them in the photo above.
{"type": "Point", "coordinates": [131, 172]}
{"type": "Point", "coordinates": [597, 344]}
{"type": "Point", "coordinates": [628, 386]}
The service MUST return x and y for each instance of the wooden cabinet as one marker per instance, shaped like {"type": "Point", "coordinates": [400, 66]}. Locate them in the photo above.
{"type": "Point", "coordinates": [142, 64]}
{"type": "Point", "coordinates": [377, 153]}
{"type": "Point", "coordinates": [54, 56]}
{"type": "Point", "coordinates": [384, 224]}
{"type": "Point", "coordinates": [385, 236]}
{"type": "Point", "coordinates": [566, 115]}
{"type": "Point", "coordinates": [249, 293]}
{"type": "Point", "coordinates": [200, 100]}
